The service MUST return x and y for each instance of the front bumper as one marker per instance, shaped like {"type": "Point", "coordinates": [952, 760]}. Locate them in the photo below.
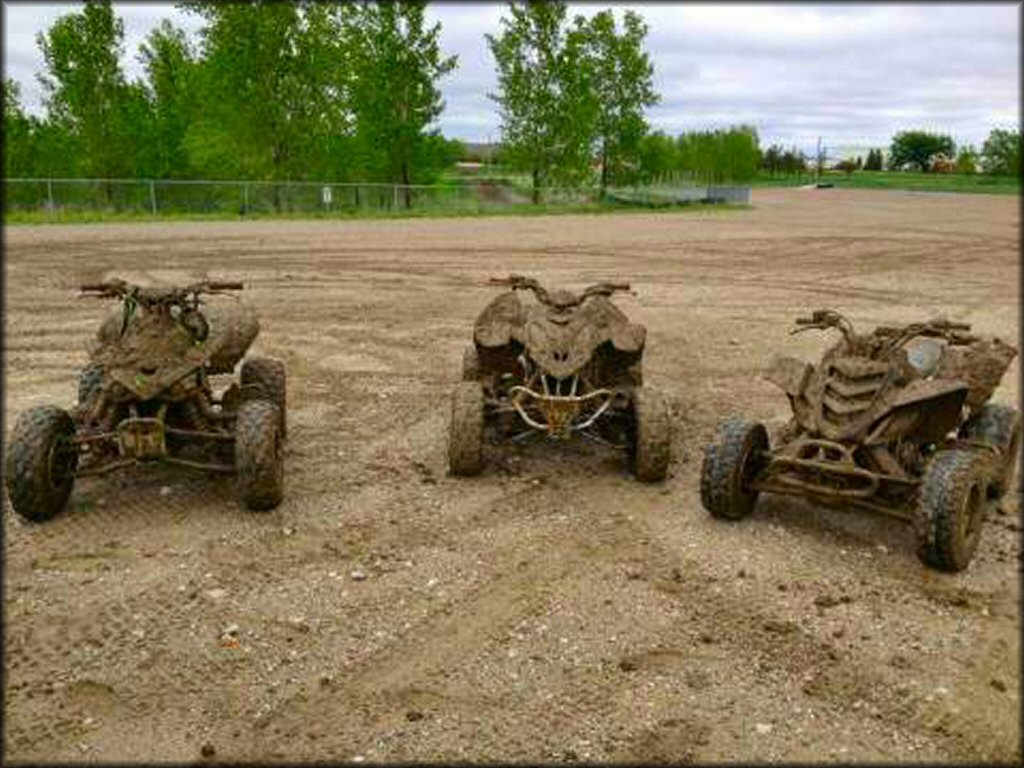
{"type": "Point", "coordinates": [560, 415]}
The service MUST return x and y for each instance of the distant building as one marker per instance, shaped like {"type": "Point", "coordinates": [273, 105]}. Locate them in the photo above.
{"type": "Point", "coordinates": [941, 163]}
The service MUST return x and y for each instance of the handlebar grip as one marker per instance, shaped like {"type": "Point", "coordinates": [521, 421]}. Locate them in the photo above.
{"type": "Point", "coordinates": [225, 286]}
{"type": "Point", "coordinates": [619, 286]}
{"type": "Point", "coordinates": [94, 287]}
{"type": "Point", "coordinates": [804, 321]}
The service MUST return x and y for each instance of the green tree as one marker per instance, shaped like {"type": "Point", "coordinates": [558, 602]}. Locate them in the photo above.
{"type": "Point", "coordinates": [395, 97]}
{"type": "Point", "coordinates": [170, 86]}
{"type": "Point", "coordinates": [18, 135]}
{"type": "Point", "coordinates": [847, 166]}
{"type": "Point", "coordinates": [967, 160]}
{"type": "Point", "coordinates": [659, 156]}
{"type": "Point", "coordinates": [620, 79]}
{"type": "Point", "coordinates": [262, 85]}
{"type": "Point", "coordinates": [771, 160]}
{"type": "Point", "coordinates": [546, 110]}
{"type": "Point", "coordinates": [917, 148]}
{"type": "Point", "coordinates": [1000, 153]}
{"type": "Point", "coordinates": [85, 88]}
{"type": "Point", "coordinates": [714, 157]}
{"type": "Point", "coordinates": [794, 162]}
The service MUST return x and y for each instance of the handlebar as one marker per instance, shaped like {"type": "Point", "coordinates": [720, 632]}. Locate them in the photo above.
{"type": "Point", "coordinates": [121, 289]}
{"type": "Point", "coordinates": [521, 283]}
{"type": "Point", "coordinates": [938, 325]}
{"type": "Point", "coordinates": [891, 336]}
{"type": "Point", "coordinates": [824, 318]}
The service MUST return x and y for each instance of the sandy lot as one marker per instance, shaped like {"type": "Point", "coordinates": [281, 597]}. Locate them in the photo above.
{"type": "Point", "coordinates": [553, 609]}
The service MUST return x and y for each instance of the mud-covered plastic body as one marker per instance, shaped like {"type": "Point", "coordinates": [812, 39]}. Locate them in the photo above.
{"type": "Point", "coordinates": [146, 396]}
{"type": "Point", "coordinates": [564, 364]}
{"type": "Point", "coordinates": [563, 342]}
{"type": "Point", "coordinates": [871, 418]}
{"type": "Point", "coordinates": [233, 327]}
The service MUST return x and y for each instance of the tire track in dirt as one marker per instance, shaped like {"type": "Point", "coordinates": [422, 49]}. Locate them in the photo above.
{"type": "Point", "coordinates": [553, 627]}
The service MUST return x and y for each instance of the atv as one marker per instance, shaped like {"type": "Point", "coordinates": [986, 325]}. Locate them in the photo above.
{"type": "Point", "coordinates": [567, 364]}
{"type": "Point", "coordinates": [145, 396]}
{"type": "Point", "coordinates": [896, 421]}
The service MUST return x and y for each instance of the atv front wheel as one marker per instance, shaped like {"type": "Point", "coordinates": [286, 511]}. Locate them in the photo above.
{"type": "Point", "coordinates": [652, 435]}
{"type": "Point", "coordinates": [998, 426]}
{"type": "Point", "coordinates": [41, 463]}
{"type": "Point", "coordinates": [264, 378]}
{"type": "Point", "coordinates": [259, 454]}
{"type": "Point", "coordinates": [89, 382]}
{"type": "Point", "coordinates": [470, 364]}
{"type": "Point", "coordinates": [951, 508]}
{"type": "Point", "coordinates": [730, 463]}
{"type": "Point", "coordinates": [466, 430]}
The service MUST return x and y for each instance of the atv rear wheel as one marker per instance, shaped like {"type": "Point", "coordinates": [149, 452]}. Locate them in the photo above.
{"type": "Point", "coordinates": [730, 462]}
{"type": "Point", "coordinates": [259, 454]}
{"type": "Point", "coordinates": [264, 378]}
{"type": "Point", "coordinates": [470, 364]}
{"type": "Point", "coordinates": [951, 508]}
{"type": "Point", "coordinates": [652, 435]}
{"type": "Point", "coordinates": [89, 382]}
{"type": "Point", "coordinates": [466, 430]}
{"type": "Point", "coordinates": [998, 426]}
{"type": "Point", "coordinates": [41, 463]}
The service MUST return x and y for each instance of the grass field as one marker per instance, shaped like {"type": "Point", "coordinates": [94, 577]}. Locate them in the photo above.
{"type": "Point", "coordinates": [75, 216]}
{"type": "Point", "coordinates": [905, 180]}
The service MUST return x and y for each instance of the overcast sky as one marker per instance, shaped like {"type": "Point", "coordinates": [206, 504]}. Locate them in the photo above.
{"type": "Point", "coordinates": [852, 74]}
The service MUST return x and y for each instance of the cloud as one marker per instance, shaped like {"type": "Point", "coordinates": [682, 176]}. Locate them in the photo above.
{"type": "Point", "coordinates": [854, 74]}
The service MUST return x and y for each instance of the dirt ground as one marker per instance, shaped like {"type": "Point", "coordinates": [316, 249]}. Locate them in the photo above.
{"type": "Point", "coordinates": [553, 609]}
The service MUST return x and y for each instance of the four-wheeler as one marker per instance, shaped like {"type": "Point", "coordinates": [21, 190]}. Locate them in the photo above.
{"type": "Point", "coordinates": [146, 396]}
{"type": "Point", "coordinates": [896, 421]}
{"type": "Point", "coordinates": [567, 364]}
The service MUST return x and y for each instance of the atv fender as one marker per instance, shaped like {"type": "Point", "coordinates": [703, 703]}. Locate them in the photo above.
{"type": "Point", "coordinates": [498, 324]}
{"type": "Point", "coordinates": [233, 329]}
{"type": "Point", "coordinates": [980, 366]}
{"type": "Point", "coordinates": [110, 329]}
{"type": "Point", "coordinates": [929, 409]}
{"type": "Point", "coordinates": [628, 337]}
{"type": "Point", "coordinates": [789, 374]}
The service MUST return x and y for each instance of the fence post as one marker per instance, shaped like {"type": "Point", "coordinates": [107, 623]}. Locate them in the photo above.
{"type": "Point", "coordinates": [152, 196]}
{"type": "Point", "coordinates": [49, 195]}
{"type": "Point", "coordinates": [394, 195]}
{"type": "Point", "coordinates": [245, 199]}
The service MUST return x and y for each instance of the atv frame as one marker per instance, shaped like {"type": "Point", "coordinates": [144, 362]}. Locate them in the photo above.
{"type": "Point", "coordinates": [568, 365]}
{"type": "Point", "coordinates": [146, 397]}
{"type": "Point", "coordinates": [895, 422]}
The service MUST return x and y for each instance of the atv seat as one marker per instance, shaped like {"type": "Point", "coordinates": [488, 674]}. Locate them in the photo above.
{"type": "Point", "coordinates": [925, 355]}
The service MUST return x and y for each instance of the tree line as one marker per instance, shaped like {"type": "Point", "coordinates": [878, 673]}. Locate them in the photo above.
{"type": "Point", "coordinates": [938, 153]}
{"type": "Point", "coordinates": [273, 91]}
{"type": "Point", "coordinates": [708, 157]}
{"type": "Point", "coordinates": [326, 91]}
{"type": "Point", "coordinates": [310, 91]}
{"type": "Point", "coordinates": [927, 152]}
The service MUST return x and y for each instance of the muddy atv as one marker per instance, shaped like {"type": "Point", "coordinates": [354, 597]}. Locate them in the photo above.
{"type": "Point", "coordinates": [568, 364]}
{"type": "Point", "coordinates": [896, 421]}
{"type": "Point", "coordinates": [146, 396]}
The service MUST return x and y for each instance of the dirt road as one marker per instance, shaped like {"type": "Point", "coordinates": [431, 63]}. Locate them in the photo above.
{"type": "Point", "coordinates": [553, 609]}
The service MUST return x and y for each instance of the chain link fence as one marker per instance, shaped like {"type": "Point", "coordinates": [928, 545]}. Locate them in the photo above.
{"type": "Point", "coordinates": [60, 197]}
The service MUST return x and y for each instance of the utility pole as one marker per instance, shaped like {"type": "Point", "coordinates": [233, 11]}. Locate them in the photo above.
{"type": "Point", "coordinates": [819, 161]}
